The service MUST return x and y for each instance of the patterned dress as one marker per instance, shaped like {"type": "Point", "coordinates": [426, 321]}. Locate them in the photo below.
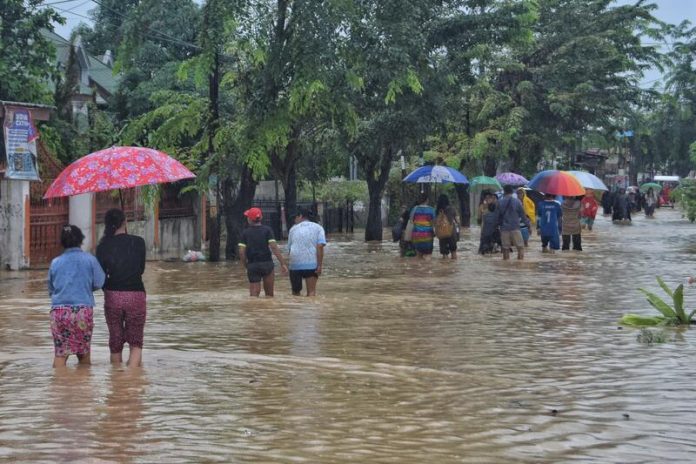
{"type": "Point", "coordinates": [423, 219]}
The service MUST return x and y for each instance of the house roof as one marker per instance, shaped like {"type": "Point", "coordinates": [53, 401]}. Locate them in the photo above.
{"type": "Point", "coordinates": [99, 72]}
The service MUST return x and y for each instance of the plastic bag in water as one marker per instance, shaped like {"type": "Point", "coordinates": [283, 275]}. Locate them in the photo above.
{"type": "Point", "coordinates": [192, 256]}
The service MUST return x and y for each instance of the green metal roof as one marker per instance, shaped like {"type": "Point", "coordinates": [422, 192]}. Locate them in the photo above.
{"type": "Point", "coordinates": [99, 72]}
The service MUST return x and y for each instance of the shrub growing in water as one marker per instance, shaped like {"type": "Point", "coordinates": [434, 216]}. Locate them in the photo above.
{"type": "Point", "coordinates": [686, 196]}
{"type": "Point", "coordinates": [670, 315]}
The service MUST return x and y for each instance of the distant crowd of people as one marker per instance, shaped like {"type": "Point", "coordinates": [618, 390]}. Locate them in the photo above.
{"type": "Point", "coordinates": [508, 222]}
{"type": "Point", "coordinates": [621, 203]}
{"type": "Point", "coordinates": [511, 220]}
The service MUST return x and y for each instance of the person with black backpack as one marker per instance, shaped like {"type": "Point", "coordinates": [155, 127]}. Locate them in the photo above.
{"type": "Point", "coordinates": [446, 227]}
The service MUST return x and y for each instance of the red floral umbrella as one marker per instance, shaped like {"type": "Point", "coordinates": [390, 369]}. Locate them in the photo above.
{"type": "Point", "coordinates": [117, 168]}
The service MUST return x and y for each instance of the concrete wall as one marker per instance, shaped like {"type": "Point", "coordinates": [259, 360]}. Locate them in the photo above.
{"type": "Point", "coordinates": [266, 190]}
{"type": "Point", "coordinates": [134, 228]}
{"type": "Point", "coordinates": [178, 234]}
{"type": "Point", "coordinates": [14, 227]}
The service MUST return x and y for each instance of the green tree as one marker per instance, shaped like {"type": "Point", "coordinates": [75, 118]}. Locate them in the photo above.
{"type": "Point", "coordinates": [679, 105]}
{"type": "Point", "coordinates": [292, 97]}
{"type": "Point", "coordinates": [27, 58]}
{"type": "Point", "coordinates": [406, 64]}
{"type": "Point", "coordinates": [582, 69]}
{"type": "Point", "coordinates": [155, 38]}
{"type": "Point", "coordinates": [108, 30]}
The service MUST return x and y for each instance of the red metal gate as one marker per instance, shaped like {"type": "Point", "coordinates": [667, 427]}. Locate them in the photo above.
{"type": "Point", "coordinates": [47, 217]}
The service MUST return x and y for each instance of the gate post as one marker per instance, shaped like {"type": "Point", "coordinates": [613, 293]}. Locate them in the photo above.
{"type": "Point", "coordinates": [14, 220]}
{"type": "Point", "coordinates": [82, 213]}
{"type": "Point", "coordinates": [151, 233]}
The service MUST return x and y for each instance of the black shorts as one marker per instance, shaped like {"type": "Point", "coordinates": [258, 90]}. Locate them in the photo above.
{"type": "Point", "coordinates": [448, 245]}
{"type": "Point", "coordinates": [257, 271]}
{"type": "Point", "coordinates": [297, 276]}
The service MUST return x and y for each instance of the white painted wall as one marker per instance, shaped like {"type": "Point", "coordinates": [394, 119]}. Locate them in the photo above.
{"type": "Point", "coordinates": [81, 208]}
{"type": "Point", "coordinates": [13, 196]}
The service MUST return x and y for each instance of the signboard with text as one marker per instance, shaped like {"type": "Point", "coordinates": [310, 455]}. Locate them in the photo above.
{"type": "Point", "coordinates": [20, 136]}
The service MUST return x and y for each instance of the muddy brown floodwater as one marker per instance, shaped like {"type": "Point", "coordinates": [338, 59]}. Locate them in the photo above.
{"type": "Point", "coordinates": [396, 361]}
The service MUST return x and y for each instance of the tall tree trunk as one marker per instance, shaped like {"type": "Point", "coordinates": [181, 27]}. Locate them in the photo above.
{"type": "Point", "coordinates": [515, 161]}
{"type": "Point", "coordinates": [377, 177]}
{"type": "Point", "coordinates": [463, 197]}
{"type": "Point", "coordinates": [213, 106]}
{"type": "Point", "coordinates": [237, 199]}
{"type": "Point", "coordinates": [290, 190]}
{"type": "Point", "coordinates": [490, 166]}
{"type": "Point", "coordinates": [373, 228]}
{"type": "Point", "coordinates": [285, 168]}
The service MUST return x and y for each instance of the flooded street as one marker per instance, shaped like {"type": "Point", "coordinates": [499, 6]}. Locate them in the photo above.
{"type": "Point", "coordinates": [396, 361]}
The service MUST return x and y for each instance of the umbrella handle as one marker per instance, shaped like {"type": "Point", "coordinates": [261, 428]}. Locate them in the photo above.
{"type": "Point", "coordinates": [123, 208]}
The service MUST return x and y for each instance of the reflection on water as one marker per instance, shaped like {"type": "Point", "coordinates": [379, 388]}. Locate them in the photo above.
{"type": "Point", "coordinates": [396, 361]}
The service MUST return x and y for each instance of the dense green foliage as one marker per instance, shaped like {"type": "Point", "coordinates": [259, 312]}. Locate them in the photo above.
{"type": "Point", "coordinates": [299, 90]}
{"type": "Point", "coordinates": [686, 196]}
{"type": "Point", "coordinates": [27, 58]}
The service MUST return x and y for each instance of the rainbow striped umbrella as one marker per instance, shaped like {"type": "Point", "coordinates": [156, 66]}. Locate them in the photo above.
{"type": "Point", "coordinates": [557, 183]}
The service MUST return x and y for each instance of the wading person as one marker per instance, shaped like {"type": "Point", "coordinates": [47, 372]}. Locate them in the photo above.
{"type": "Point", "coordinates": [490, 233]}
{"type": "Point", "coordinates": [123, 258]}
{"type": "Point", "coordinates": [423, 217]}
{"type": "Point", "coordinates": [571, 224]}
{"type": "Point", "coordinates": [406, 249]}
{"type": "Point", "coordinates": [607, 202]}
{"type": "Point", "coordinates": [510, 213]}
{"type": "Point", "coordinates": [306, 242]}
{"type": "Point", "coordinates": [588, 210]}
{"type": "Point", "coordinates": [487, 198]}
{"type": "Point", "coordinates": [650, 203]}
{"type": "Point", "coordinates": [72, 278]}
{"type": "Point", "coordinates": [255, 247]}
{"type": "Point", "coordinates": [621, 207]}
{"type": "Point", "coordinates": [530, 211]}
{"type": "Point", "coordinates": [446, 226]}
{"type": "Point", "coordinates": [549, 214]}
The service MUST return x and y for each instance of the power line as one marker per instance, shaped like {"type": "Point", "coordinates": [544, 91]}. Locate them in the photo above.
{"type": "Point", "coordinates": [163, 37]}
{"type": "Point", "coordinates": [171, 38]}
{"type": "Point", "coordinates": [59, 2]}
{"type": "Point", "coordinates": [78, 6]}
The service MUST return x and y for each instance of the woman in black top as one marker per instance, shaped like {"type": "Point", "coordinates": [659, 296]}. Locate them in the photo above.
{"type": "Point", "coordinates": [122, 256]}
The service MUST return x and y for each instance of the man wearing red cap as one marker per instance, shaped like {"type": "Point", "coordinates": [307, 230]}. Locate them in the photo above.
{"type": "Point", "coordinates": [255, 247]}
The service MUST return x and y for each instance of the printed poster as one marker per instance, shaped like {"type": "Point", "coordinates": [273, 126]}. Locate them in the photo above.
{"type": "Point", "coordinates": [20, 144]}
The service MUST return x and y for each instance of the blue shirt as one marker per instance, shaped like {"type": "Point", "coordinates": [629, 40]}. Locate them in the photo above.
{"type": "Point", "coordinates": [73, 277]}
{"type": "Point", "coordinates": [302, 245]}
{"type": "Point", "coordinates": [549, 213]}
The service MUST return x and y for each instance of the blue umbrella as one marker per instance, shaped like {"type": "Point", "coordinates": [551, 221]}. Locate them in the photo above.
{"type": "Point", "coordinates": [436, 175]}
{"type": "Point", "coordinates": [589, 181]}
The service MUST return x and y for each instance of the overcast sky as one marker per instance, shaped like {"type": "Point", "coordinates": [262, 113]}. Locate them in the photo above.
{"type": "Point", "coordinates": [670, 11]}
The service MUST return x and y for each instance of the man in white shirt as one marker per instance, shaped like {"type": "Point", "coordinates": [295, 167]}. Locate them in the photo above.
{"type": "Point", "coordinates": [306, 242]}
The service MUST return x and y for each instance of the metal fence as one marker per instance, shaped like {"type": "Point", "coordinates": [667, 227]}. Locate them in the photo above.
{"type": "Point", "coordinates": [333, 220]}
